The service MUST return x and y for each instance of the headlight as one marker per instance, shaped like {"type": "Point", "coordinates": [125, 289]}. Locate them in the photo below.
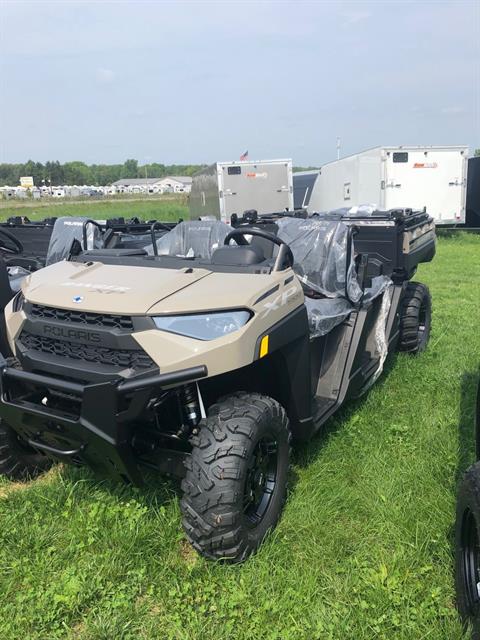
{"type": "Point", "coordinates": [204, 326]}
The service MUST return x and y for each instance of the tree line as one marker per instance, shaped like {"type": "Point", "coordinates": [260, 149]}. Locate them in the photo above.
{"type": "Point", "coordinates": [76, 172]}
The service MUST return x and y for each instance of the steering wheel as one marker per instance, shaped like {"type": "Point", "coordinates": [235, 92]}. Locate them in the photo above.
{"type": "Point", "coordinates": [284, 253]}
{"type": "Point", "coordinates": [13, 246]}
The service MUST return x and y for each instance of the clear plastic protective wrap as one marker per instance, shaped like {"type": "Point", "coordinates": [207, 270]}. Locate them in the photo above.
{"type": "Point", "coordinates": [379, 285]}
{"type": "Point", "coordinates": [383, 285]}
{"type": "Point", "coordinates": [320, 250]}
{"type": "Point", "coordinates": [15, 276]}
{"type": "Point", "coordinates": [192, 239]}
{"type": "Point", "coordinates": [325, 313]}
{"type": "Point", "coordinates": [65, 231]}
{"type": "Point", "coordinates": [360, 210]}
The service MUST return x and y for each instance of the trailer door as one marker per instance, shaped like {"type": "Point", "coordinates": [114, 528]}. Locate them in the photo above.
{"type": "Point", "coordinates": [266, 187]}
{"type": "Point", "coordinates": [431, 178]}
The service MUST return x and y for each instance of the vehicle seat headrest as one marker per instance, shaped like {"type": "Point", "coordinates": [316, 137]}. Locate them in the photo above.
{"type": "Point", "coordinates": [238, 255]}
{"type": "Point", "coordinates": [65, 231]}
{"type": "Point", "coordinates": [193, 238]}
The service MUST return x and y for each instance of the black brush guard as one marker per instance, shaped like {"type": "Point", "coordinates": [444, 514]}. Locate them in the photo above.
{"type": "Point", "coordinates": [99, 433]}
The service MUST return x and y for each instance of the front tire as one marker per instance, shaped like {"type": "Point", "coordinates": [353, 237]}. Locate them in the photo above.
{"type": "Point", "coordinates": [19, 461]}
{"type": "Point", "coordinates": [415, 318]}
{"type": "Point", "coordinates": [236, 481]}
{"type": "Point", "coordinates": [467, 549]}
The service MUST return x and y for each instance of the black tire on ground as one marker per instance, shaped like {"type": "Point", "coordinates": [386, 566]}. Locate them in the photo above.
{"type": "Point", "coordinates": [467, 549]}
{"type": "Point", "coordinates": [19, 461]}
{"type": "Point", "coordinates": [477, 423]}
{"type": "Point", "coordinates": [415, 318]}
{"type": "Point", "coordinates": [236, 481]}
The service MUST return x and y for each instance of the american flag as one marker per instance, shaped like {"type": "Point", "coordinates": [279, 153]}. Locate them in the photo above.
{"type": "Point", "coordinates": [244, 155]}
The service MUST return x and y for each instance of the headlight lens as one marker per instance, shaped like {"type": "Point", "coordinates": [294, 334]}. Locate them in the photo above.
{"type": "Point", "coordinates": [204, 326]}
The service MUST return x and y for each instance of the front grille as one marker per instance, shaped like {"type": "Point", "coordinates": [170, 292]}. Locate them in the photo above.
{"type": "Point", "coordinates": [124, 358]}
{"type": "Point", "coordinates": [82, 317]}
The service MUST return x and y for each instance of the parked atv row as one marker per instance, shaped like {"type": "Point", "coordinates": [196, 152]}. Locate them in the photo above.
{"type": "Point", "coordinates": [207, 352]}
{"type": "Point", "coordinates": [26, 247]}
{"type": "Point", "coordinates": [26, 244]}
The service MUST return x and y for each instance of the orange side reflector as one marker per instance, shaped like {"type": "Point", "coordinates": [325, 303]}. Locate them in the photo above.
{"type": "Point", "coordinates": [264, 346]}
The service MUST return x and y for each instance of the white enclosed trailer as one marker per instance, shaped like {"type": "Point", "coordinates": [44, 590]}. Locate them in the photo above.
{"type": "Point", "coordinates": [397, 177]}
{"type": "Point", "coordinates": [225, 188]}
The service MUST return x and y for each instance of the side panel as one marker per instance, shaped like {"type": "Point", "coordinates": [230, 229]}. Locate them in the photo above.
{"type": "Point", "coordinates": [473, 193]}
{"type": "Point", "coordinates": [347, 182]}
{"type": "Point", "coordinates": [369, 178]}
{"type": "Point", "coordinates": [289, 365]}
{"type": "Point", "coordinates": [283, 374]}
{"type": "Point", "coordinates": [204, 200]}
{"type": "Point", "coordinates": [428, 177]}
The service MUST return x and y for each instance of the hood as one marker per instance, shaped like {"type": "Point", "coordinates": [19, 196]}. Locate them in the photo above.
{"type": "Point", "coordinates": [97, 287]}
{"type": "Point", "coordinates": [219, 291]}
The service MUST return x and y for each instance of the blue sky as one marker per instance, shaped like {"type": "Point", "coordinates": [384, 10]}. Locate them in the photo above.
{"type": "Point", "coordinates": [180, 82]}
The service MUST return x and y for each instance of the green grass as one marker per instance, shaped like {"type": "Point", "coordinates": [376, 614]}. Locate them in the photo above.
{"type": "Point", "coordinates": [154, 207]}
{"type": "Point", "coordinates": [363, 550]}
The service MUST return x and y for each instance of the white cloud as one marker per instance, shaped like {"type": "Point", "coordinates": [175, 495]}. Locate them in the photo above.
{"type": "Point", "coordinates": [352, 17]}
{"type": "Point", "coordinates": [104, 76]}
{"type": "Point", "coordinates": [453, 111]}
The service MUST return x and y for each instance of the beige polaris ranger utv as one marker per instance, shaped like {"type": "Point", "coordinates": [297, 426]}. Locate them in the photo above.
{"type": "Point", "coordinates": [205, 353]}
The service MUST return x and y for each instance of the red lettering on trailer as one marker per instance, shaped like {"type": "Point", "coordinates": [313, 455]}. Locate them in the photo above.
{"type": "Point", "coordinates": [425, 165]}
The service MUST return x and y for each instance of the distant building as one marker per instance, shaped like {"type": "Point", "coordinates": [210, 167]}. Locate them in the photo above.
{"type": "Point", "coordinates": [178, 184]}
{"type": "Point", "coordinates": [168, 184]}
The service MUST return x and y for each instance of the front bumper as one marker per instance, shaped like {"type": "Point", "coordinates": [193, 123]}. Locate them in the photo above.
{"type": "Point", "coordinates": [98, 430]}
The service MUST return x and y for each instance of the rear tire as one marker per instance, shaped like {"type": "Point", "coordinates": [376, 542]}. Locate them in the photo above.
{"type": "Point", "coordinates": [467, 550]}
{"type": "Point", "coordinates": [415, 318]}
{"type": "Point", "coordinates": [236, 481]}
{"type": "Point", "coordinates": [19, 461]}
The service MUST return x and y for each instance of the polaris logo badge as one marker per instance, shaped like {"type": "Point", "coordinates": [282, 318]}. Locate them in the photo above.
{"type": "Point", "coordinates": [77, 299]}
{"type": "Point", "coordinates": [71, 334]}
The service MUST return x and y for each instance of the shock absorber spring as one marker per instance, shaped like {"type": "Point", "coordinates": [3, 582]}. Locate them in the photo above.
{"type": "Point", "coordinates": [191, 406]}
